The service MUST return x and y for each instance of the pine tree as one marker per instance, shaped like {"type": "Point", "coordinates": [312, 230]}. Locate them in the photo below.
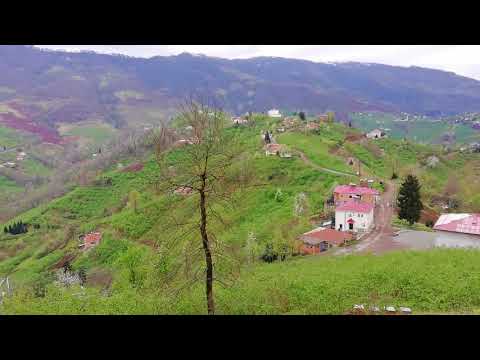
{"type": "Point", "coordinates": [267, 138]}
{"type": "Point", "coordinates": [409, 200]}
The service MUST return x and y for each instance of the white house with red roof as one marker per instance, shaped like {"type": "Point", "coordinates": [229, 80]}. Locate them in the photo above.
{"type": "Point", "coordinates": [354, 215]}
{"type": "Point", "coordinates": [460, 223]}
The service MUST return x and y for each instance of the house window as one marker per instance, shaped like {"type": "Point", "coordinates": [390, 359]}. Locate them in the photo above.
{"type": "Point", "coordinates": [350, 226]}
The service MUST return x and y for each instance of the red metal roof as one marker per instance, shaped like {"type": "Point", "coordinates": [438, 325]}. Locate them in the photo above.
{"type": "Point", "coordinates": [92, 238]}
{"type": "Point", "coordinates": [356, 206]}
{"type": "Point", "coordinates": [356, 190]}
{"type": "Point", "coordinates": [462, 223]}
{"type": "Point", "coordinates": [319, 235]}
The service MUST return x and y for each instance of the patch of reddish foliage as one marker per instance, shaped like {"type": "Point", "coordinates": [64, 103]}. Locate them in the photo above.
{"type": "Point", "coordinates": [46, 134]}
{"type": "Point", "coordinates": [133, 167]}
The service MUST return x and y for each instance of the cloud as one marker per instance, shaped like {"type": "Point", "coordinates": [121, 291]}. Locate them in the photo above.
{"type": "Point", "coordinates": [456, 58]}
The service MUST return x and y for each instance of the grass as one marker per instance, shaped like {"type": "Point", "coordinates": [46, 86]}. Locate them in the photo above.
{"type": "Point", "coordinates": [32, 167]}
{"type": "Point", "coordinates": [306, 285]}
{"type": "Point", "coordinates": [437, 281]}
{"type": "Point", "coordinates": [316, 149]}
{"type": "Point", "coordinates": [95, 132]}
{"type": "Point", "coordinates": [9, 138]}
{"type": "Point", "coordinates": [8, 186]}
{"type": "Point", "coordinates": [401, 223]}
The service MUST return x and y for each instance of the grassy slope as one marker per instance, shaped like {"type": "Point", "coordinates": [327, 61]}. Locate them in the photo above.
{"type": "Point", "coordinates": [314, 285]}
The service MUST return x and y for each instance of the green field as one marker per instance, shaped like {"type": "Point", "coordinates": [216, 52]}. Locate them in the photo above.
{"type": "Point", "coordinates": [437, 281]}
{"type": "Point", "coordinates": [95, 133]}
{"type": "Point", "coordinates": [8, 186]}
{"type": "Point", "coordinates": [32, 167]}
{"type": "Point", "coordinates": [9, 138]}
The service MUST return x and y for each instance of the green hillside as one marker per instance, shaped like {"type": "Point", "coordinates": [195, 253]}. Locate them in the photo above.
{"type": "Point", "coordinates": [417, 129]}
{"type": "Point", "coordinates": [141, 264]}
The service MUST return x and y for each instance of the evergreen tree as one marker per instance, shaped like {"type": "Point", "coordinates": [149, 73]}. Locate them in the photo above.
{"type": "Point", "coordinates": [267, 138]}
{"type": "Point", "coordinates": [409, 200]}
{"type": "Point", "coordinates": [302, 116]}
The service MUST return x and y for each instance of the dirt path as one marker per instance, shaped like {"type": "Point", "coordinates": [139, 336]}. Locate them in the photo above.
{"type": "Point", "coordinates": [380, 239]}
{"type": "Point", "coordinates": [307, 161]}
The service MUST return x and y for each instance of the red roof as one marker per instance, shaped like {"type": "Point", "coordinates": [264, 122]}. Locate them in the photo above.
{"type": "Point", "coordinates": [92, 238]}
{"type": "Point", "coordinates": [273, 147]}
{"type": "Point", "coordinates": [462, 223]}
{"type": "Point", "coordinates": [319, 235]}
{"type": "Point", "coordinates": [356, 190]}
{"type": "Point", "coordinates": [356, 206]}
{"type": "Point", "coordinates": [351, 221]}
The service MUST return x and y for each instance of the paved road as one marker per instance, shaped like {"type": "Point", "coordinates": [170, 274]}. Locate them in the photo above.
{"type": "Point", "coordinates": [381, 238]}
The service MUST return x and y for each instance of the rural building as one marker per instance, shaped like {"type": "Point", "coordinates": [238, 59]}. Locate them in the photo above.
{"type": "Point", "coordinates": [344, 193]}
{"type": "Point", "coordinates": [239, 121]}
{"type": "Point", "coordinates": [10, 164]}
{"type": "Point", "coordinates": [321, 239]}
{"type": "Point", "coordinates": [460, 223]}
{"type": "Point", "coordinates": [91, 240]}
{"type": "Point", "coordinates": [183, 190]}
{"type": "Point", "coordinates": [313, 126]}
{"type": "Point", "coordinates": [273, 149]}
{"type": "Point", "coordinates": [323, 118]}
{"type": "Point", "coordinates": [355, 216]}
{"type": "Point", "coordinates": [274, 113]}
{"type": "Point", "coordinates": [375, 134]}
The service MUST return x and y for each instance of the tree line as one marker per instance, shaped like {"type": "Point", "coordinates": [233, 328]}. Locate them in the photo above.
{"type": "Point", "coordinates": [16, 228]}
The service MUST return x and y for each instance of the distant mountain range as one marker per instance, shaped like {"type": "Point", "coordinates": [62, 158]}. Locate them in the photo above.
{"type": "Point", "coordinates": [67, 87]}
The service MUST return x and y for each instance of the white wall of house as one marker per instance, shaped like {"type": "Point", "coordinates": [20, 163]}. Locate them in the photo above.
{"type": "Point", "coordinates": [363, 221]}
{"type": "Point", "coordinates": [374, 134]}
{"type": "Point", "coordinates": [274, 113]}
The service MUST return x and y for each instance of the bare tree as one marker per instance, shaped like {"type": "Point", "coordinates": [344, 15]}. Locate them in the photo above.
{"type": "Point", "coordinates": [210, 169]}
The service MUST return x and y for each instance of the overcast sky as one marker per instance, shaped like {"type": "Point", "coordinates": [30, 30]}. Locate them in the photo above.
{"type": "Point", "coordinates": [461, 59]}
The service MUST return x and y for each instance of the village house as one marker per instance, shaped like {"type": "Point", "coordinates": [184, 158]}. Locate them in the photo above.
{"type": "Point", "coordinates": [90, 240]}
{"type": "Point", "coordinates": [239, 121]}
{"type": "Point", "coordinates": [274, 113]}
{"type": "Point", "coordinates": [343, 193]}
{"type": "Point", "coordinates": [323, 118]}
{"type": "Point", "coordinates": [10, 164]}
{"type": "Point", "coordinates": [273, 149]}
{"type": "Point", "coordinates": [376, 134]}
{"type": "Point", "coordinates": [355, 216]}
{"type": "Point", "coordinates": [321, 239]}
{"type": "Point", "coordinates": [312, 126]}
{"type": "Point", "coordinates": [460, 223]}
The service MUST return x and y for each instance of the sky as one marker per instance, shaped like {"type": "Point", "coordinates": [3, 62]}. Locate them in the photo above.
{"type": "Point", "coordinates": [460, 59]}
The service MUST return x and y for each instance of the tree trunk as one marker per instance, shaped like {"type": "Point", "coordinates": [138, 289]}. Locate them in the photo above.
{"type": "Point", "coordinates": [208, 254]}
